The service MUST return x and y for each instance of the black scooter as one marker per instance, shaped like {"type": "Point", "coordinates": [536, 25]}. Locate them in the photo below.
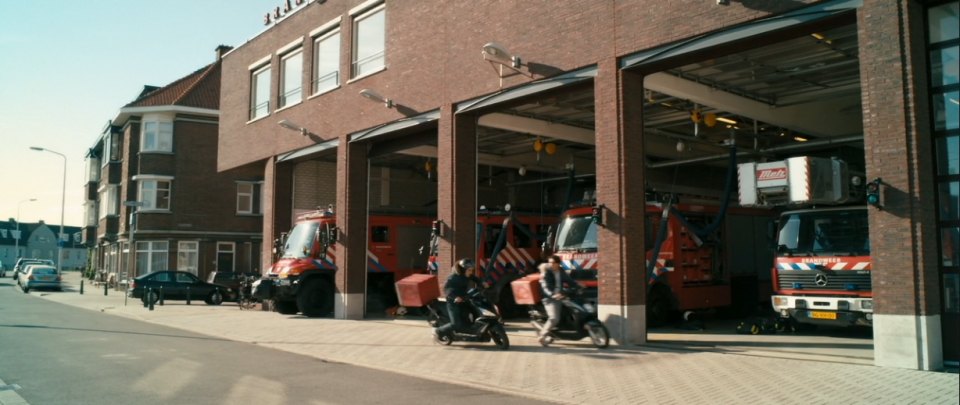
{"type": "Point", "coordinates": [483, 318]}
{"type": "Point", "coordinates": [577, 321]}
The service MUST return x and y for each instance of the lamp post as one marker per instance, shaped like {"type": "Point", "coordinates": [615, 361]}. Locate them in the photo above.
{"type": "Point", "coordinates": [131, 256]}
{"type": "Point", "coordinates": [17, 243]}
{"type": "Point", "coordinates": [63, 199]}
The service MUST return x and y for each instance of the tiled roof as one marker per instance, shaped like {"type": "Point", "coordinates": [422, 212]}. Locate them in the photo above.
{"type": "Point", "coordinates": [199, 89]}
{"type": "Point", "coordinates": [27, 228]}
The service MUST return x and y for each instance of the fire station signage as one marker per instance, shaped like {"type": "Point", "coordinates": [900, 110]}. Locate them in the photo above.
{"type": "Point", "coordinates": [282, 11]}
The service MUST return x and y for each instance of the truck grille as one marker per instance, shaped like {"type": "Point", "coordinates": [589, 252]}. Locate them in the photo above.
{"type": "Point", "coordinates": [842, 280]}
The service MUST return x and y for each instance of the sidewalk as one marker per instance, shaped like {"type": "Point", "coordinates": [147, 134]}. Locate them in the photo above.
{"type": "Point", "coordinates": [566, 372]}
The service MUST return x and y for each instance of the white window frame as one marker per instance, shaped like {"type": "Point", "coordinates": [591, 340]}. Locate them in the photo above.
{"type": "Point", "coordinates": [324, 81]}
{"type": "Point", "coordinates": [160, 139]}
{"type": "Point", "coordinates": [358, 62]}
{"type": "Point", "coordinates": [245, 197]}
{"type": "Point", "coordinates": [107, 201]}
{"type": "Point", "coordinates": [232, 251]}
{"type": "Point", "coordinates": [152, 256]}
{"type": "Point", "coordinates": [256, 105]}
{"type": "Point", "coordinates": [150, 197]}
{"type": "Point", "coordinates": [188, 256]}
{"type": "Point", "coordinates": [287, 97]}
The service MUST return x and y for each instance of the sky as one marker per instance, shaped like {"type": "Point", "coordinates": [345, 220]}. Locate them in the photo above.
{"type": "Point", "coordinates": [68, 66]}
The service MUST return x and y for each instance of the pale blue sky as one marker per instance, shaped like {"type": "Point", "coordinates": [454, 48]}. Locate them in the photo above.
{"type": "Point", "coordinates": [66, 68]}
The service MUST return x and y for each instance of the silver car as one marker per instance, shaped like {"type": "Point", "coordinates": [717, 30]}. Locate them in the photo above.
{"type": "Point", "coordinates": [39, 276]}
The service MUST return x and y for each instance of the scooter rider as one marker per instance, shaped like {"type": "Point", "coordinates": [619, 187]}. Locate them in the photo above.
{"type": "Point", "coordinates": [455, 290]}
{"type": "Point", "coordinates": [552, 280]}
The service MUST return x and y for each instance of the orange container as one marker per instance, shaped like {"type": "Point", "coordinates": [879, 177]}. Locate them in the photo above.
{"type": "Point", "coordinates": [526, 290]}
{"type": "Point", "coordinates": [418, 290]}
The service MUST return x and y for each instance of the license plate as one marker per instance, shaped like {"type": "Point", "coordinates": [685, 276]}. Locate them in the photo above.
{"type": "Point", "coordinates": [823, 315]}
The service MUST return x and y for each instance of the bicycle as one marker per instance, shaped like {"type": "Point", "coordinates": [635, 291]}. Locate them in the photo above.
{"type": "Point", "coordinates": [245, 297]}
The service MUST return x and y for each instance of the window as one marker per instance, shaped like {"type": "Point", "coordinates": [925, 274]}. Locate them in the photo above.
{"type": "Point", "coordinates": [380, 234]}
{"type": "Point", "coordinates": [154, 194]}
{"type": "Point", "coordinates": [188, 256]}
{"type": "Point", "coordinates": [108, 201]}
{"type": "Point", "coordinates": [187, 278]}
{"type": "Point", "coordinates": [260, 93]}
{"type": "Point", "coordinates": [248, 198]}
{"type": "Point", "coordinates": [369, 42]}
{"type": "Point", "coordinates": [93, 169]}
{"type": "Point", "coordinates": [291, 78]}
{"type": "Point", "coordinates": [151, 256]}
{"type": "Point", "coordinates": [225, 253]}
{"type": "Point", "coordinates": [326, 50]}
{"type": "Point", "coordinates": [157, 137]}
{"type": "Point", "coordinates": [90, 213]}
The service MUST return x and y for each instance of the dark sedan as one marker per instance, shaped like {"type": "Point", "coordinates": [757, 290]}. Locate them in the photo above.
{"type": "Point", "coordinates": [178, 285]}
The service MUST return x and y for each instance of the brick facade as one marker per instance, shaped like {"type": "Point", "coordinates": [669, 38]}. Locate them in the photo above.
{"type": "Point", "coordinates": [433, 62]}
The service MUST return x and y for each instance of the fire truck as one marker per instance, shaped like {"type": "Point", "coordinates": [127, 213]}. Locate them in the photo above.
{"type": "Point", "coordinates": [509, 247]}
{"type": "Point", "coordinates": [302, 276]}
{"type": "Point", "coordinates": [687, 271]}
{"type": "Point", "coordinates": [822, 265]}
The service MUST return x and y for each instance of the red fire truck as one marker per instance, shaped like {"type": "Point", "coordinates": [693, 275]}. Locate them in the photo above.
{"type": "Point", "coordinates": [509, 247]}
{"type": "Point", "coordinates": [302, 276]}
{"type": "Point", "coordinates": [821, 273]}
{"type": "Point", "coordinates": [690, 272]}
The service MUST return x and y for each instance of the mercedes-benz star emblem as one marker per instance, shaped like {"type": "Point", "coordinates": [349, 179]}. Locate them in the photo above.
{"type": "Point", "coordinates": [821, 280]}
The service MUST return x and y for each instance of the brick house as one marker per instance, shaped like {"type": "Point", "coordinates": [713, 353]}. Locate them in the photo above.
{"type": "Point", "coordinates": [465, 92]}
{"type": "Point", "coordinates": [153, 183]}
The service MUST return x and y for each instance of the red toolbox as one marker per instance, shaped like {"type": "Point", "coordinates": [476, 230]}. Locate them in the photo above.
{"type": "Point", "coordinates": [526, 290]}
{"type": "Point", "coordinates": [418, 290]}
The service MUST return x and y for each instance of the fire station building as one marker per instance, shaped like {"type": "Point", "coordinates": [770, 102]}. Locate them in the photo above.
{"type": "Point", "coordinates": [456, 106]}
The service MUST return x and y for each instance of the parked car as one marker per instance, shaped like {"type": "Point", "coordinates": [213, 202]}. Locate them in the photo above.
{"type": "Point", "coordinates": [20, 267]}
{"type": "Point", "coordinates": [176, 285]}
{"type": "Point", "coordinates": [230, 279]}
{"type": "Point", "coordinates": [39, 276]}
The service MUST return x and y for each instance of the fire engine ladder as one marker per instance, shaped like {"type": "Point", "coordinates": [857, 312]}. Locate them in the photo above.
{"type": "Point", "coordinates": [701, 233]}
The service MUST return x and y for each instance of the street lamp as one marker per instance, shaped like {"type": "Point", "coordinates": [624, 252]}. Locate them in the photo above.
{"type": "Point", "coordinates": [131, 256]}
{"type": "Point", "coordinates": [63, 199]}
{"type": "Point", "coordinates": [17, 249]}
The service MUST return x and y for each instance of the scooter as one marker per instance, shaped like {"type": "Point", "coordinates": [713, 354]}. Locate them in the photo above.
{"type": "Point", "coordinates": [483, 318]}
{"type": "Point", "coordinates": [577, 321]}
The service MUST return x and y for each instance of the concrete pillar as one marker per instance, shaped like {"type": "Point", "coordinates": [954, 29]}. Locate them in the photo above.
{"type": "Point", "coordinates": [351, 247]}
{"type": "Point", "coordinates": [277, 194]}
{"type": "Point", "coordinates": [620, 188]}
{"type": "Point", "coordinates": [457, 189]}
{"type": "Point", "coordinates": [897, 147]}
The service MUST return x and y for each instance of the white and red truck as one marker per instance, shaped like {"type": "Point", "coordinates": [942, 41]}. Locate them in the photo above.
{"type": "Point", "coordinates": [822, 265]}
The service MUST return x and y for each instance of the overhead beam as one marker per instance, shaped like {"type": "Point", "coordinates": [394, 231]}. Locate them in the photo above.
{"type": "Point", "coordinates": [538, 127]}
{"type": "Point", "coordinates": [826, 118]}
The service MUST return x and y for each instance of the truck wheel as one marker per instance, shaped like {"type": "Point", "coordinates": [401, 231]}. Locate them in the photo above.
{"type": "Point", "coordinates": [659, 305]}
{"type": "Point", "coordinates": [286, 307]}
{"type": "Point", "coordinates": [315, 299]}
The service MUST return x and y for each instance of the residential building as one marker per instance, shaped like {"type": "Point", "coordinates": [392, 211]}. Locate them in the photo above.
{"type": "Point", "coordinates": [38, 240]}
{"type": "Point", "coordinates": [155, 200]}
{"type": "Point", "coordinates": [641, 95]}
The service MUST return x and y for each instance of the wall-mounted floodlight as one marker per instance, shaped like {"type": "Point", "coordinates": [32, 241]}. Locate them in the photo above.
{"type": "Point", "coordinates": [495, 52]}
{"type": "Point", "coordinates": [291, 126]}
{"type": "Point", "coordinates": [372, 95]}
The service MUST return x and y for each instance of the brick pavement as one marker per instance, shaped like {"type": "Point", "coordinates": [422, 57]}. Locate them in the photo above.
{"type": "Point", "coordinates": [565, 372]}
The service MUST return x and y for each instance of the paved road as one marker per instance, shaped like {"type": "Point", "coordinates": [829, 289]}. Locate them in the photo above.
{"type": "Point", "coordinates": [60, 354]}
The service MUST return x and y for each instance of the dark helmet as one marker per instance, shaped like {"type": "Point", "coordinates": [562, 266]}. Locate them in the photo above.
{"type": "Point", "coordinates": [463, 265]}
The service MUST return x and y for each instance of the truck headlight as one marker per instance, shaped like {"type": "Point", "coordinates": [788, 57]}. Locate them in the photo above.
{"type": "Point", "coordinates": [866, 304]}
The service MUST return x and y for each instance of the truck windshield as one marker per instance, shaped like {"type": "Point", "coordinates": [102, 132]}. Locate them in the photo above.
{"type": "Point", "coordinates": [300, 240]}
{"type": "Point", "coordinates": [838, 232]}
{"type": "Point", "coordinates": [578, 234]}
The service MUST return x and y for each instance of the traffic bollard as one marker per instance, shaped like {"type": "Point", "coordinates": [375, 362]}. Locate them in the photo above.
{"type": "Point", "coordinates": [150, 299]}
{"type": "Point", "coordinates": [106, 286]}
{"type": "Point", "coordinates": [161, 296]}
{"type": "Point", "coordinates": [81, 286]}
{"type": "Point", "coordinates": [146, 297]}
{"type": "Point", "coordinates": [188, 295]}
